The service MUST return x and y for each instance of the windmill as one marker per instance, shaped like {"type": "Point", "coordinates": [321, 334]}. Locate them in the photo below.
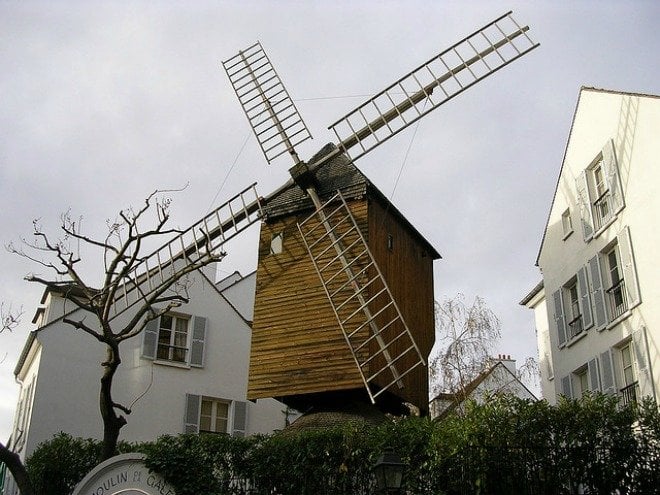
{"type": "Point", "coordinates": [340, 270]}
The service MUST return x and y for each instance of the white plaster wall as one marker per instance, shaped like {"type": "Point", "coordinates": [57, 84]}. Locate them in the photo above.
{"type": "Point", "coordinates": [633, 123]}
{"type": "Point", "coordinates": [69, 371]}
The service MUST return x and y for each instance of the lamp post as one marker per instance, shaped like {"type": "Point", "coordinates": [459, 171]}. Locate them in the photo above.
{"type": "Point", "coordinates": [389, 472]}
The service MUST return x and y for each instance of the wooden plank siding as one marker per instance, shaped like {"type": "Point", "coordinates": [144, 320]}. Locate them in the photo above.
{"type": "Point", "coordinates": [408, 269]}
{"type": "Point", "coordinates": [297, 345]}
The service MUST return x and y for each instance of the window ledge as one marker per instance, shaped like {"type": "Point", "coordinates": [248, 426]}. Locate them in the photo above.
{"type": "Point", "coordinates": [581, 335]}
{"type": "Point", "coordinates": [567, 235]}
{"type": "Point", "coordinates": [624, 316]}
{"type": "Point", "coordinates": [172, 364]}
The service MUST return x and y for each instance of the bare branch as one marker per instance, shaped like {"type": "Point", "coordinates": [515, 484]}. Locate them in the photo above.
{"type": "Point", "coordinates": [10, 317]}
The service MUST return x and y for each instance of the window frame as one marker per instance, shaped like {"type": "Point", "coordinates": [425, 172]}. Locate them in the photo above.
{"type": "Point", "coordinates": [214, 417]}
{"type": "Point", "coordinates": [172, 348]}
{"type": "Point", "coordinates": [567, 223]}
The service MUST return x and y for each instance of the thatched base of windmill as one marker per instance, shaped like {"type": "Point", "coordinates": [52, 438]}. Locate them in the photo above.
{"type": "Point", "coordinates": [328, 416]}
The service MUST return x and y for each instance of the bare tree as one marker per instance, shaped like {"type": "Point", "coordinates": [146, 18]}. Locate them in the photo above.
{"type": "Point", "coordinates": [467, 335]}
{"type": "Point", "coordinates": [122, 250]}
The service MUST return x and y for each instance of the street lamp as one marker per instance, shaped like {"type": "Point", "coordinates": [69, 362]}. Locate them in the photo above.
{"type": "Point", "coordinates": [389, 472]}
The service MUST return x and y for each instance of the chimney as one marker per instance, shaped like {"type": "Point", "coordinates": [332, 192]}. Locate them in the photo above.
{"type": "Point", "coordinates": [508, 362]}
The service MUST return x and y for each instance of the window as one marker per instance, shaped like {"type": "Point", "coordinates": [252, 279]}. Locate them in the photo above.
{"type": "Point", "coordinates": [616, 292]}
{"type": "Point", "coordinates": [390, 242]}
{"type": "Point", "coordinates": [213, 416]}
{"type": "Point", "coordinates": [572, 308]}
{"type": "Point", "coordinates": [277, 243]}
{"type": "Point", "coordinates": [175, 338]}
{"type": "Point", "coordinates": [629, 389]}
{"type": "Point", "coordinates": [599, 192]}
{"type": "Point", "coordinates": [567, 223]}
{"type": "Point", "coordinates": [575, 323]}
{"type": "Point", "coordinates": [582, 381]}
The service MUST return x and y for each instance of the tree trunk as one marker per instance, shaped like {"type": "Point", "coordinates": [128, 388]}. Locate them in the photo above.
{"type": "Point", "coordinates": [17, 470]}
{"type": "Point", "coordinates": [112, 422]}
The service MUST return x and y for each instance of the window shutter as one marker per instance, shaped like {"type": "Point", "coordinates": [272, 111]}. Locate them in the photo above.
{"type": "Point", "coordinates": [585, 205]}
{"type": "Point", "coordinates": [597, 293]}
{"type": "Point", "coordinates": [197, 344]}
{"type": "Point", "coordinates": [628, 266]}
{"type": "Point", "coordinates": [585, 302]}
{"type": "Point", "coordinates": [641, 358]}
{"type": "Point", "coordinates": [191, 418]}
{"type": "Point", "coordinates": [611, 171]}
{"type": "Point", "coordinates": [566, 388]}
{"type": "Point", "coordinates": [607, 372]}
{"type": "Point", "coordinates": [240, 419]}
{"type": "Point", "coordinates": [594, 378]}
{"type": "Point", "coordinates": [559, 317]}
{"type": "Point", "coordinates": [150, 339]}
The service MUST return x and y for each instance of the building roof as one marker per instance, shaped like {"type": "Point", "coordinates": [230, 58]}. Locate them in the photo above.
{"type": "Point", "coordinates": [336, 173]}
{"type": "Point", "coordinates": [537, 288]}
{"type": "Point", "coordinates": [457, 398]}
{"type": "Point", "coordinates": [568, 141]}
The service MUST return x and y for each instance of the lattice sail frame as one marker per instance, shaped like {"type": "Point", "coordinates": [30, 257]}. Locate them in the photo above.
{"type": "Point", "coordinates": [270, 110]}
{"type": "Point", "coordinates": [454, 70]}
{"type": "Point", "coordinates": [201, 240]}
{"type": "Point", "coordinates": [353, 282]}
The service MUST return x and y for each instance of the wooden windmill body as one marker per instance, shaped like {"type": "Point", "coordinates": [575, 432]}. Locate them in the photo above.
{"type": "Point", "coordinates": [344, 294]}
{"type": "Point", "coordinates": [299, 354]}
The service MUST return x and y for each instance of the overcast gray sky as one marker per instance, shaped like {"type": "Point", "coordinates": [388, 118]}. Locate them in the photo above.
{"type": "Point", "coordinates": [100, 103]}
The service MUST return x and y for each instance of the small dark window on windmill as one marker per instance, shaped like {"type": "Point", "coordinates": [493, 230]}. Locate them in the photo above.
{"type": "Point", "coordinates": [276, 243]}
{"type": "Point", "coordinates": [390, 242]}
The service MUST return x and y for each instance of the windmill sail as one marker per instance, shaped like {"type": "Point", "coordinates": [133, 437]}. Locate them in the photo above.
{"type": "Point", "coordinates": [201, 240]}
{"type": "Point", "coordinates": [377, 336]}
{"type": "Point", "coordinates": [272, 114]}
{"type": "Point", "coordinates": [433, 83]}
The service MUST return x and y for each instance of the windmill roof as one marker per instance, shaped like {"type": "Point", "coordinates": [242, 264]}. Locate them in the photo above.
{"type": "Point", "coordinates": [336, 173]}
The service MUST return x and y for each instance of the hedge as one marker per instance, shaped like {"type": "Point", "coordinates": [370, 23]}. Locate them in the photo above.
{"type": "Point", "coordinates": [509, 445]}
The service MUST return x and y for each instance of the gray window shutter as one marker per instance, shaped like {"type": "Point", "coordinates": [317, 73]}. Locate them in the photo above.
{"type": "Point", "coordinates": [585, 302]}
{"type": "Point", "coordinates": [628, 266]}
{"type": "Point", "coordinates": [239, 424]}
{"type": "Point", "coordinates": [584, 202]}
{"type": "Point", "coordinates": [559, 317]}
{"type": "Point", "coordinates": [594, 378]}
{"type": "Point", "coordinates": [611, 170]}
{"type": "Point", "coordinates": [566, 388]}
{"type": "Point", "coordinates": [198, 339]}
{"type": "Point", "coordinates": [191, 417]}
{"type": "Point", "coordinates": [607, 372]}
{"type": "Point", "coordinates": [597, 293]}
{"type": "Point", "coordinates": [150, 339]}
{"type": "Point", "coordinates": [641, 358]}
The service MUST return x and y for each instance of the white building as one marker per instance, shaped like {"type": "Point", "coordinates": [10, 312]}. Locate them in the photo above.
{"type": "Point", "coordinates": [597, 309]}
{"type": "Point", "coordinates": [500, 377]}
{"type": "Point", "coordinates": [187, 372]}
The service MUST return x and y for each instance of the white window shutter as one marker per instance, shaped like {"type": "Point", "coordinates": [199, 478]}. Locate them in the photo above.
{"type": "Point", "coordinates": [628, 266]}
{"type": "Point", "coordinates": [150, 339]}
{"type": "Point", "coordinates": [644, 377]}
{"type": "Point", "coordinates": [191, 417]}
{"type": "Point", "coordinates": [239, 422]}
{"type": "Point", "coordinates": [594, 376]}
{"type": "Point", "coordinates": [585, 301]}
{"type": "Point", "coordinates": [611, 170]}
{"type": "Point", "coordinates": [198, 339]}
{"type": "Point", "coordinates": [566, 388]}
{"type": "Point", "coordinates": [560, 322]}
{"type": "Point", "coordinates": [597, 293]}
{"type": "Point", "coordinates": [607, 372]}
{"type": "Point", "coordinates": [584, 202]}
